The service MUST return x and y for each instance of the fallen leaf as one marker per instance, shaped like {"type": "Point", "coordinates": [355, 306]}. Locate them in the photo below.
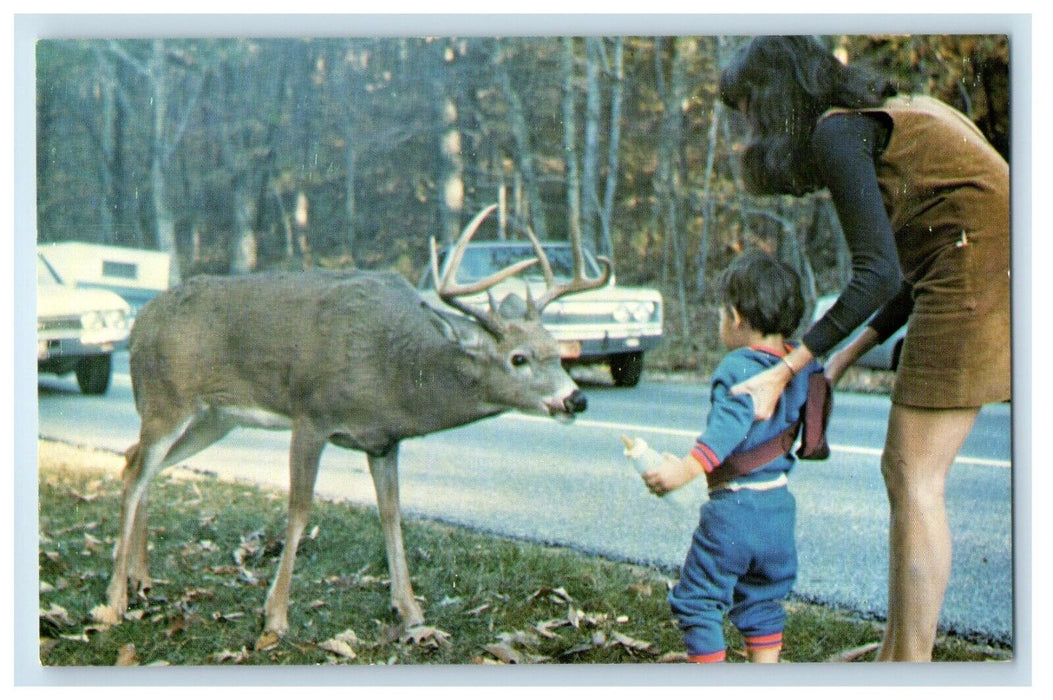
{"type": "Point", "coordinates": [56, 615]}
{"type": "Point", "coordinates": [556, 595]}
{"type": "Point", "coordinates": [504, 653]}
{"type": "Point", "coordinates": [227, 656]}
{"type": "Point", "coordinates": [92, 544]}
{"type": "Point", "coordinates": [126, 656]}
{"type": "Point", "coordinates": [339, 647]}
{"type": "Point", "coordinates": [628, 642]}
{"type": "Point", "coordinates": [673, 657]}
{"type": "Point", "coordinates": [545, 628]}
{"type": "Point", "coordinates": [519, 637]}
{"type": "Point", "coordinates": [476, 611]}
{"type": "Point", "coordinates": [227, 617]}
{"type": "Point", "coordinates": [425, 635]}
{"type": "Point", "coordinates": [192, 594]}
{"type": "Point", "coordinates": [575, 616]}
{"type": "Point", "coordinates": [853, 654]}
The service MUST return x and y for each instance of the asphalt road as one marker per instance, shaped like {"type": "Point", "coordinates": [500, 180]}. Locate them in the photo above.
{"type": "Point", "coordinates": [536, 479]}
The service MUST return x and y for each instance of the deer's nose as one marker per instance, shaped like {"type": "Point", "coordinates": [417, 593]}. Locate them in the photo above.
{"type": "Point", "coordinates": [576, 402]}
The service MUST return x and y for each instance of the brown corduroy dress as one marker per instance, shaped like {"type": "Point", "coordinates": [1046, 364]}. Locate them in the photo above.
{"type": "Point", "coordinates": [946, 192]}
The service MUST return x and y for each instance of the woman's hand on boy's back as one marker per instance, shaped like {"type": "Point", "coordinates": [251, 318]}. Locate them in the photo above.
{"type": "Point", "coordinates": [766, 387]}
{"type": "Point", "coordinates": [673, 473]}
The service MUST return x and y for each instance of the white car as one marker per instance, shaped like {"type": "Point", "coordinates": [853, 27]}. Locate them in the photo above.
{"type": "Point", "coordinates": [611, 325]}
{"type": "Point", "coordinates": [884, 356]}
{"type": "Point", "coordinates": [78, 330]}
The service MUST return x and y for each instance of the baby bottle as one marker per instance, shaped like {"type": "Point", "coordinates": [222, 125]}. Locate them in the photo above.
{"type": "Point", "coordinates": [644, 457]}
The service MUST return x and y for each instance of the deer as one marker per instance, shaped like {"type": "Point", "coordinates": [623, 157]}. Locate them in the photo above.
{"type": "Point", "coordinates": [354, 358]}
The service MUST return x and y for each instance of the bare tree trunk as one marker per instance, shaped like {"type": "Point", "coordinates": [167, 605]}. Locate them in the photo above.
{"type": "Point", "coordinates": [570, 151]}
{"type": "Point", "coordinates": [590, 205]}
{"type": "Point", "coordinates": [108, 146]}
{"type": "Point", "coordinates": [532, 210]}
{"type": "Point", "coordinates": [708, 205]}
{"type": "Point", "coordinates": [668, 176]}
{"type": "Point", "coordinates": [164, 222]}
{"type": "Point", "coordinates": [243, 253]}
{"type": "Point", "coordinates": [451, 160]}
{"type": "Point", "coordinates": [613, 144]}
{"type": "Point", "coordinates": [300, 221]}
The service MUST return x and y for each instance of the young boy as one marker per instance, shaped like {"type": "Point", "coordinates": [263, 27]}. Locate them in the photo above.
{"type": "Point", "coordinates": [743, 557]}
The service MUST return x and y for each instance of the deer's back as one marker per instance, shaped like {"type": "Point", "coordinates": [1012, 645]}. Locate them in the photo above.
{"type": "Point", "coordinates": [268, 340]}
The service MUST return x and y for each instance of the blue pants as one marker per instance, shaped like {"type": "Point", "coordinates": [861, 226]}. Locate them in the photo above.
{"type": "Point", "coordinates": [742, 562]}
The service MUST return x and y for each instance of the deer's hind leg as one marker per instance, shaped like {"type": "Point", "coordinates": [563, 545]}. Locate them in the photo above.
{"type": "Point", "coordinates": [159, 446]}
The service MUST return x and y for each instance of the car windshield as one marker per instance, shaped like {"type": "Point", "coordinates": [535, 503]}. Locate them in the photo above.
{"type": "Point", "coordinates": [45, 275]}
{"type": "Point", "coordinates": [481, 261]}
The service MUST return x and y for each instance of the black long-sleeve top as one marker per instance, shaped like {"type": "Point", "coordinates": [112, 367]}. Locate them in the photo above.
{"type": "Point", "coordinates": [845, 148]}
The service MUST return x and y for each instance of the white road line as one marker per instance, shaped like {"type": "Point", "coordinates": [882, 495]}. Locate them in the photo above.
{"type": "Point", "coordinates": [691, 434]}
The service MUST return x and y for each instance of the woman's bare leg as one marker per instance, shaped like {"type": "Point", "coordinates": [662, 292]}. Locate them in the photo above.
{"type": "Point", "coordinates": [920, 446]}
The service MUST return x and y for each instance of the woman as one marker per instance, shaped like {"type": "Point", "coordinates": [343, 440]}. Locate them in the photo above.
{"type": "Point", "coordinates": [923, 200]}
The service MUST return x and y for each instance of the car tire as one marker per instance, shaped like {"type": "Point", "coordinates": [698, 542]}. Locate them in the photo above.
{"type": "Point", "coordinates": [626, 368]}
{"type": "Point", "coordinates": [93, 374]}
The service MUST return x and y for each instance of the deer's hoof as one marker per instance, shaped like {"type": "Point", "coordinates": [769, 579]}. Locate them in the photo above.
{"type": "Point", "coordinates": [106, 615]}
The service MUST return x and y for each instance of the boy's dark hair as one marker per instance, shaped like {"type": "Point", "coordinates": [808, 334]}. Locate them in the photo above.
{"type": "Point", "coordinates": [766, 293]}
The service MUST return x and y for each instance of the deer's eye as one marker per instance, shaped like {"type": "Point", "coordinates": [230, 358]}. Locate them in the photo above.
{"type": "Point", "coordinates": [519, 359]}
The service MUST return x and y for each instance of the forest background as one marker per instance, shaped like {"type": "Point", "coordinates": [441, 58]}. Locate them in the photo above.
{"type": "Point", "coordinates": [252, 154]}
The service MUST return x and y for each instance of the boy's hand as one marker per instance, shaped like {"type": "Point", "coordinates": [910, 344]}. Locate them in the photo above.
{"type": "Point", "coordinates": [671, 474]}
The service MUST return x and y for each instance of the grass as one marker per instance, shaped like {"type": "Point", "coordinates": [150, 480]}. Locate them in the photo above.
{"type": "Point", "coordinates": [215, 544]}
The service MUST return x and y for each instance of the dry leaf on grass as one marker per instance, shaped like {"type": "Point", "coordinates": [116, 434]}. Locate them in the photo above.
{"type": "Point", "coordinates": [617, 638]}
{"type": "Point", "coordinates": [854, 654]}
{"type": "Point", "coordinates": [504, 653]}
{"type": "Point", "coordinates": [556, 595]}
{"type": "Point", "coordinates": [423, 635]}
{"type": "Point", "coordinates": [339, 647]}
{"type": "Point", "coordinates": [56, 616]}
{"type": "Point", "coordinates": [227, 656]}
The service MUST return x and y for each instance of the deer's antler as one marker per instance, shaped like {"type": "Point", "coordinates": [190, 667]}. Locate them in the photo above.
{"type": "Point", "coordinates": [448, 288]}
{"type": "Point", "coordinates": [579, 283]}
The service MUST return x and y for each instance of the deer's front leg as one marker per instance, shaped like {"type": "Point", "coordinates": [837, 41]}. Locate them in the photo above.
{"type": "Point", "coordinates": [304, 453]}
{"type": "Point", "coordinates": [385, 472]}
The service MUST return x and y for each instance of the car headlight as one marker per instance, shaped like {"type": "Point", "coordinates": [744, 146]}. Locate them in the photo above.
{"type": "Point", "coordinates": [99, 320]}
{"type": "Point", "coordinates": [640, 312]}
{"type": "Point", "coordinates": [115, 318]}
{"type": "Point", "coordinates": [92, 321]}
{"type": "Point", "coordinates": [643, 312]}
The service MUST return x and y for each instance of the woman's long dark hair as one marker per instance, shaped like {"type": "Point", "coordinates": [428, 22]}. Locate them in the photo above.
{"type": "Point", "coordinates": [787, 83]}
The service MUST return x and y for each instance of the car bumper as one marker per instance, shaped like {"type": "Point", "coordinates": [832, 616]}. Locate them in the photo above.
{"type": "Point", "coordinates": [54, 350]}
{"type": "Point", "coordinates": [586, 348]}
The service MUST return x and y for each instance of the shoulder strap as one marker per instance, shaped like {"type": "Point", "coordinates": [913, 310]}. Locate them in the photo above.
{"type": "Point", "coordinates": [815, 414]}
{"type": "Point", "coordinates": [745, 462]}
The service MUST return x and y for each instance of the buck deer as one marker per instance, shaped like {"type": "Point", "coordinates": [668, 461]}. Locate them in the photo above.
{"type": "Point", "coordinates": [357, 359]}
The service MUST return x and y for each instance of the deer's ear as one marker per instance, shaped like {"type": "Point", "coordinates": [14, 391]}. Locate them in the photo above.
{"type": "Point", "coordinates": [458, 331]}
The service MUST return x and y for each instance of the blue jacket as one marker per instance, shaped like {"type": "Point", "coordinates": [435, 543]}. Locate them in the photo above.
{"type": "Point", "coordinates": [730, 427]}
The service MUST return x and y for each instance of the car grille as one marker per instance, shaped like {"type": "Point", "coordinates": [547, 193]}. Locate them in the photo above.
{"type": "Point", "coordinates": [67, 323]}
